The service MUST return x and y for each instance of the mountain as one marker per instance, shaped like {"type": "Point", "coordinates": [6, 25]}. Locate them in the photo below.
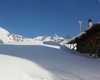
{"type": "Point", "coordinates": [7, 37]}
{"type": "Point", "coordinates": [54, 38]}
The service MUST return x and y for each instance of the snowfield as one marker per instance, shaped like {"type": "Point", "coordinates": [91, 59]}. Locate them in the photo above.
{"type": "Point", "coordinates": [38, 60]}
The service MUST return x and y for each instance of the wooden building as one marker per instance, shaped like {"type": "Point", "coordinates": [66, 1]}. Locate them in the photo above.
{"type": "Point", "coordinates": [88, 41]}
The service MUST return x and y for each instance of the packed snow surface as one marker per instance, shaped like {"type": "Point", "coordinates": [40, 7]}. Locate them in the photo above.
{"type": "Point", "coordinates": [37, 60]}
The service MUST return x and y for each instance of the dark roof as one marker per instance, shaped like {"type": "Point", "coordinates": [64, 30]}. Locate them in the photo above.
{"type": "Point", "coordinates": [85, 34]}
{"type": "Point", "coordinates": [77, 38]}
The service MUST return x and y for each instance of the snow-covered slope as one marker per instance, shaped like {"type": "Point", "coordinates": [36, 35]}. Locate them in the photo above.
{"type": "Point", "coordinates": [7, 37]}
{"type": "Point", "coordinates": [42, 61]}
{"type": "Point", "coordinates": [4, 36]}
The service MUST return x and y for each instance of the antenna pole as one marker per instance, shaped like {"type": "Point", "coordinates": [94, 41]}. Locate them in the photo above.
{"type": "Point", "coordinates": [80, 23]}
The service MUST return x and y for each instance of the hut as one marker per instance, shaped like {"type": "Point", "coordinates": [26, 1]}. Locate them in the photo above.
{"type": "Point", "coordinates": [88, 41]}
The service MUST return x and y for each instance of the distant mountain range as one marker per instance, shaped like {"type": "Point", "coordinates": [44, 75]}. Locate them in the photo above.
{"type": "Point", "coordinates": [7, 37]}
{"type": "Point", "coordinates": [54, 38]}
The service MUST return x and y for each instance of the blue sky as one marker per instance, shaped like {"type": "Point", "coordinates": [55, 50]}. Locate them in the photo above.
{"type": "Point", "coordinates": [32, 18]}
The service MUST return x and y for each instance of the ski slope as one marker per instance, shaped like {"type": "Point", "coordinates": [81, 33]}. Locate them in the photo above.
{"type": "Point", "coordinates": [37, 60]}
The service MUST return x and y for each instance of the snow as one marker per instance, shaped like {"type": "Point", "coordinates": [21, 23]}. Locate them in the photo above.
{"type": "Point", "coordinates": [42, 38]}
{"type": "Point", "coordinates": [54, 38]}
{"type": "Point", "coordinates": [7, 37]}
{"type": "Point", "coordinates": [38, 60]}
{"type": "Point", "coordinates": [10, 38]}
{"type": "Point", "coordinates": [13, 68]}
{"type": "Point", "coordinates": [43, 58]}
{"type": "Point", "coordinates": [4, 35]}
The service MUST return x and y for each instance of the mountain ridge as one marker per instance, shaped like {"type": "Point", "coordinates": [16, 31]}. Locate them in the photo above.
{"type": "Point", "coordinates": [6, 38]}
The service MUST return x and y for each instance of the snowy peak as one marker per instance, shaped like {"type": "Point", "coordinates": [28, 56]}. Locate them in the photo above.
{"type": "Point", "coordinates": [4, 36]}
{"type": "Point", "coordinates": [7, 37]}
{"type": "Point", "coordinates": [54, 38]}
{"type": "Point", "coordinates": [40, 38]}
{"type": "Point", "coordinates": [3, 31]}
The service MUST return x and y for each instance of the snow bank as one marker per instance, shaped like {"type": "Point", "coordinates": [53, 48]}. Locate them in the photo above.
{"type": "Point", "coordinates": [45, 61]}
{"type": "Point", "coordinates": [13, 68]}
